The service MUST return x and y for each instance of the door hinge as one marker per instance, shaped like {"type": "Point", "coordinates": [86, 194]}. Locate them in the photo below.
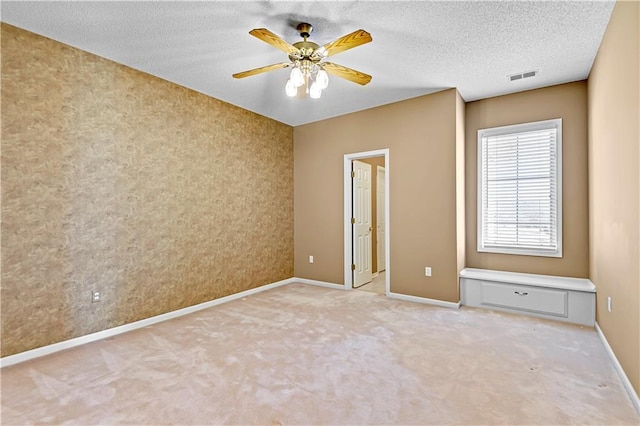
{"type": "Point", "coordinates": [353, 220]}
{"type": "Point", "coordinates": [353, 174]}
{"type": "Point", "coordinates": [353, 267]}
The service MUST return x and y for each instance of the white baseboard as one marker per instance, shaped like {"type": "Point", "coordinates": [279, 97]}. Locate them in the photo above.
{"type": "Point", "coordinates": [425, 300]}
{"type": "Point", "coordinates": [318, 283]}
{"type": "Point", "coordinates": [71, 343]}
{"type": "Point", "coordinates": [635, 400]}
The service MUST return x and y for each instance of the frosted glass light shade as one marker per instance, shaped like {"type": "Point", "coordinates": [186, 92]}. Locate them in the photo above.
{"type": "Point", "coordinates": [322, 79]}
{"type": "Point", "coordinates": [290, 88]}
{"type": "Point", "coordinates": [315, 92]}
{"type": "Point", "coordinates": [296, 77]}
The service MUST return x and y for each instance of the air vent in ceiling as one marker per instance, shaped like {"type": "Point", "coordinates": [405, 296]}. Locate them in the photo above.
{"type": "Point", "coordinates": [520, 76]}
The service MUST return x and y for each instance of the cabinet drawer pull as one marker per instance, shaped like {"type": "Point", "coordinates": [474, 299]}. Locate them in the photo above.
{"type": "Point", "coordinates": [521, 293]}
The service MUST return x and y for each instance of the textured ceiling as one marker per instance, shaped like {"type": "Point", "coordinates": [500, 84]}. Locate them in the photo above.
{"type": "Point", "coordinates": [417, 48]}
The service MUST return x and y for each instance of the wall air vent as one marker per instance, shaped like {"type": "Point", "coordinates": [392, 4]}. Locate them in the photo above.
{"type": "Point", "coordinates": [520, 76]}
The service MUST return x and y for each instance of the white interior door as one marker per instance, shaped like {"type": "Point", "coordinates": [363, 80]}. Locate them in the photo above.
{"type": "Point", "coordinates": [382, 255]}
{"type": "Point", "coordinates": [362, 225]}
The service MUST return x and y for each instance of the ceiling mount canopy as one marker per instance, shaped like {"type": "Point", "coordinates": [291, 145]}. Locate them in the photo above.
{"type": "Point", "coordinates": [309, 72]}
{"type": "Point", "coordinates": [305, 30]}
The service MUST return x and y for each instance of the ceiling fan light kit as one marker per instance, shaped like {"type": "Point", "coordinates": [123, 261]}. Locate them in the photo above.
{"type": "Point", "coordinates": [309, 73]}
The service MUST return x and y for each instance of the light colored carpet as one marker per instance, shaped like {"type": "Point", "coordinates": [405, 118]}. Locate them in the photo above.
{"type": "Point", "coordinates": [377, 285]}
{"type": "Point", "coordinates": [300, 354]}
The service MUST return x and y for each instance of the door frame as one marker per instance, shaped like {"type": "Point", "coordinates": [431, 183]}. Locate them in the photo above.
{"type": "Point", "coordinates": [380, 247]}
{"type": "Point", "coordinates": [348, 196]}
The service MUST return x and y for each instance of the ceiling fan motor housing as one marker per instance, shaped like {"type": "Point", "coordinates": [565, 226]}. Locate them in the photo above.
{"type": "Point", "coordinates": [306, 50]}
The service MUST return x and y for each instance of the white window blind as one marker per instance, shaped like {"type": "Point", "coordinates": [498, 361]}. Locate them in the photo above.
{"type": "Point", "coordinates": [519, 189]}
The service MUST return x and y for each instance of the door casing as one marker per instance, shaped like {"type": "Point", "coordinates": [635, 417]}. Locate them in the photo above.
{"type": "Point", "coordinates": [381, 255]}
{"type": "Point", "coordinates": [348, 196]}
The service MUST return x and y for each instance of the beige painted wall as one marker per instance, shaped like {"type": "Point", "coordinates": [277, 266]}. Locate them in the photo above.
{"type": "Point", "coordinates": [614, 185]}
{"type": "Point", "coordinates": [117, 181]}
{"type": "Point", "coordinates": [566, 101]}
{"type": "Point", "coordinates": [421, 136]}
{"type": "Point", "coordinates": [461, 231]}
{"type": "Point", "coordinates": [374, 163]}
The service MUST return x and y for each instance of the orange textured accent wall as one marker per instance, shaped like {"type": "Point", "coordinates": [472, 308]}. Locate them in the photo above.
{"type": "Point", "coordinates": [117, 181]}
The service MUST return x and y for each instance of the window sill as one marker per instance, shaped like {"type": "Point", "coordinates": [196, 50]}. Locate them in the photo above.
{"type": "Point", "coordinates": [521, 252]}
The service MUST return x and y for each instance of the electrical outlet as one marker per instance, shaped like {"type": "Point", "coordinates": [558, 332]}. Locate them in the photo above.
{"type": "Point", "coordinates": [310, 259]}
{"type": "Point", "coordinates": [96, 297]}
{"type": "Point", "coordinates": [427, 271]}
{"type": "Point", "coordinates": [609, 303]}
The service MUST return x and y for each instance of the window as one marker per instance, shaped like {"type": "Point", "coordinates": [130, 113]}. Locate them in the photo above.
{"type": "Point", "coordinates": [519, 189]}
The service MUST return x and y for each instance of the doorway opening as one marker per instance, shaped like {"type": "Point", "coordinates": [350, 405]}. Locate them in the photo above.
{"type": "Point", "coordinates": [366, 220]}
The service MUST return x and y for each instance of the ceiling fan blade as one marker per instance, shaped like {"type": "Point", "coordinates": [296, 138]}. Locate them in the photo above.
{"type": "Point", "coordinates": [356, 38]}
{"type": "Point", "coordinates": [261, 70]}
{"type": "Point", "coordinates": [274, 40]}
{"type": "Point", "coordinates": [346, 73]}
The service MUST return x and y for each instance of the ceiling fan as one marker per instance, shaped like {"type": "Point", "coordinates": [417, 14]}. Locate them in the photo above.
{"type": "Point", "coordinates": [309, 71]}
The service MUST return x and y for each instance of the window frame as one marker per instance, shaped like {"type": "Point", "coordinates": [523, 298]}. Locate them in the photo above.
{"type": "Point", "coordinates": [512, 129]}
